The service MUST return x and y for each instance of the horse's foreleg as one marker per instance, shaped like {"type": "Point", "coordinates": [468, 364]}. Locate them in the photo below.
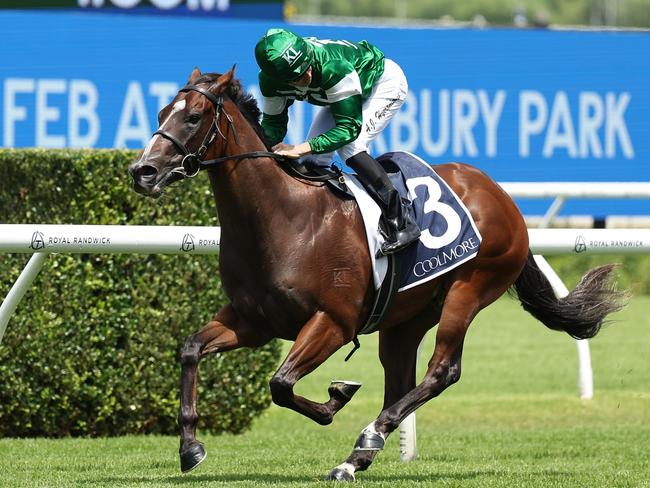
{"type": "Point", "coordinates": [398, 354]}
{"type": "Point", "coordinates": [225, 332]}
{"type": "Point", "coordinates": [319, 338]}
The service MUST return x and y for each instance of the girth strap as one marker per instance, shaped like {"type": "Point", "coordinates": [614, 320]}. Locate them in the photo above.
{"type": "Point", "coordinates": [384, 298]}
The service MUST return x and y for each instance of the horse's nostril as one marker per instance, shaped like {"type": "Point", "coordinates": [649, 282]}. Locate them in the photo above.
{"type": "Point", "coordinates": [144, 171]}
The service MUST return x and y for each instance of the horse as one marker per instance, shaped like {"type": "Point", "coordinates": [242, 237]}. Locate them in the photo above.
{"type": "Point", "coordinates": [286, 240]}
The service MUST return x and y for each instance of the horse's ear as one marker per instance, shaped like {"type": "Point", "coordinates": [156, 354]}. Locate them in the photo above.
{"type": "Point", "coordinates": [196, 72]}
{"type": "Point", "coordinates": [223, 81]}
{"type": "Point", "coordinates": [227, 77]}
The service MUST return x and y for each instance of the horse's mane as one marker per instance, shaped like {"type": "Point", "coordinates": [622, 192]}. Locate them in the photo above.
{"type": "Point", "coordinates": [244, 101]}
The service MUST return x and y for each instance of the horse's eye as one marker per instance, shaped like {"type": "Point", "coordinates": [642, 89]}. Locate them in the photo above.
{"type": "Point", "coordinates": [194, 118]}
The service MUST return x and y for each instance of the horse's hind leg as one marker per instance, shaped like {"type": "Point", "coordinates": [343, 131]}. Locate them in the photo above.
{"type": "Point", "coordinates": [225, 332]}
{"type": "Point", "coordinates": [471, 291]}
{"type": "Point", "coordinates": [319, 338]}
{"type": "Point", "coordinates": [398, 348]}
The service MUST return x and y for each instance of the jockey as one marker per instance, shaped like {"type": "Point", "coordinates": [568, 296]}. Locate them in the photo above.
{"type": "Point", "coordinates": [359, 92]}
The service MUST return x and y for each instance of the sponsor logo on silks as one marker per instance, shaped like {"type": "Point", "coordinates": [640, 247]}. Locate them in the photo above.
{"type": "Point", "coordinates": [188, 243]}
{"type": "Point", "coordinates": [38, 241]}
{"type": "Point", "coordinates": [291, 56]}
{"type": "Point", "coordinates": [580, 245]}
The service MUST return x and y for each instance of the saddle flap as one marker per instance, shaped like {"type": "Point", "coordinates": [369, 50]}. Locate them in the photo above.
{"type": "Point", "coordinates": [449, 234]}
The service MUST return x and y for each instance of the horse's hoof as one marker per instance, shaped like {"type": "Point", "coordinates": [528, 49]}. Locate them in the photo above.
{"type": "Point", "coordinates": [344, 390]}
{"type": "Point", "coordinates": [338, 474]}
{"type": "Point", "coordinates": [192, 457]}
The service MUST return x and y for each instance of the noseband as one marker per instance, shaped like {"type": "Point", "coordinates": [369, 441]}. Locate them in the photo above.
{"type": "Point", "coordinates": [193, 162]}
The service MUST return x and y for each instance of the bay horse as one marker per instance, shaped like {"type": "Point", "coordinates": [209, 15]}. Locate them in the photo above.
{"type": "Point", "coordinates": [286, 240]}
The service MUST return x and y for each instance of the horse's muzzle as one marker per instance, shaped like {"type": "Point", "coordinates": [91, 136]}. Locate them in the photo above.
{"type": "Point", "coordinates": [145, 178]}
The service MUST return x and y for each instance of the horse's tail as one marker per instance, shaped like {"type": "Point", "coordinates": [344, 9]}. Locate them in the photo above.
{"type": "Point", "coordinates": [579, 314]}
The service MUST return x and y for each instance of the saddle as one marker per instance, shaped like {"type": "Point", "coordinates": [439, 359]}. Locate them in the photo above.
{"type": "Point", "coordinates": [312, 170]}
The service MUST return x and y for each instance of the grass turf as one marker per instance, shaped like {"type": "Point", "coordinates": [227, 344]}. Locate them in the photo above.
{"type": "Point", "coordinates": [514, 419]}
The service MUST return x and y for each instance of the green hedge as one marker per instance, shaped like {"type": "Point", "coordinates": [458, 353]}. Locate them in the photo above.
{"type": "Point", "coordinates": [93, 349]}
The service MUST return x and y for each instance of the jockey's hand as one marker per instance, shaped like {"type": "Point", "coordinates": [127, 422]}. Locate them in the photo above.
{"type": "Point", "coordinates": [291, 151]}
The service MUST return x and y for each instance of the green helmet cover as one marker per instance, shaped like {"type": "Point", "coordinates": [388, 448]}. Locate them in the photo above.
{"type": "Point", "coordinates": [283, 55]}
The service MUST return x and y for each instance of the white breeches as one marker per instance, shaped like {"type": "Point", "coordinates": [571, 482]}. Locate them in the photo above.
{"type": "Point", "coordinates": [387, 96]}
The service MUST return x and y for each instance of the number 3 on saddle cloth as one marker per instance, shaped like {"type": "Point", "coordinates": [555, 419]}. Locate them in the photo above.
{"type": "Point", "coordinates": [449, 235]}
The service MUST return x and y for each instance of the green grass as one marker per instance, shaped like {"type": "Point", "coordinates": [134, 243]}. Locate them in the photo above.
{"type": "Point", "coordinates": [514, 420]}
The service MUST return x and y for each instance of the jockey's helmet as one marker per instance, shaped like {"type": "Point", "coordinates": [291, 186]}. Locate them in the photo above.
{"type": "Point", "coordinates": [283, 55]}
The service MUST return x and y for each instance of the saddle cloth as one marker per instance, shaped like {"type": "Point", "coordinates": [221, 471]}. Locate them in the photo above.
{"type": "Point", "coordinates": [449, 235]}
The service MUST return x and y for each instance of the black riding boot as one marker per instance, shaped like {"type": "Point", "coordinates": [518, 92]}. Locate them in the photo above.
{"type": "Point", "coordinates": [400, 229]}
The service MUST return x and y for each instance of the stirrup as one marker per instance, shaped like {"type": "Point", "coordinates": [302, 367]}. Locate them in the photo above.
{"type": "Point", "coordinates": [403, 239]}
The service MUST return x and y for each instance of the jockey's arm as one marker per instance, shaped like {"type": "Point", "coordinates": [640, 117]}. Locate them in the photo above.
{"type": "Point", "coordinates": [275, 118]}
{"type": "Point", "coordinates": [348, 121]}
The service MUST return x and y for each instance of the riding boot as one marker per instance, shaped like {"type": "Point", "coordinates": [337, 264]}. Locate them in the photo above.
{"type": "Point", "coordinates": [400, 230]}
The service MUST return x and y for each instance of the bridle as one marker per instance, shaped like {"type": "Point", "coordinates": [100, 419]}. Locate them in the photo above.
{"type": "Point", "coordinates": [193, 162]}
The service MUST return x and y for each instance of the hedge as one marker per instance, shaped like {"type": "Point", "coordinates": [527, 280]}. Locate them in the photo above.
{"type": "Point", "coordinates": [93, 349]}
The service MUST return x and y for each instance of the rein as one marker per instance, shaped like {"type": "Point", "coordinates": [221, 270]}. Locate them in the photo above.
{"type": "Point", "coordinates": [193, 162]}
